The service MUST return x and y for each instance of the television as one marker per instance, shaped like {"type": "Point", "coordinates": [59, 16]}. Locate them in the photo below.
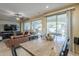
{"type": "Point", "coordinates": [10, 27]}
{"type": "Point", "coordinates": [13, 27]}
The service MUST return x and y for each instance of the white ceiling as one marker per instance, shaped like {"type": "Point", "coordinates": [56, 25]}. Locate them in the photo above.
{"type": "Point", "coordinates": [7, 10]}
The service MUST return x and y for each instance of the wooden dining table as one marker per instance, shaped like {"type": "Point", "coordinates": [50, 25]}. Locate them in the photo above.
{"type": "Point", "coordinates": [42, 47]}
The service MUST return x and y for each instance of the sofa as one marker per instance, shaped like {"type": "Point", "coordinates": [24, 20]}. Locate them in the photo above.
{"type": "Point", "coordinates": [14, 41]}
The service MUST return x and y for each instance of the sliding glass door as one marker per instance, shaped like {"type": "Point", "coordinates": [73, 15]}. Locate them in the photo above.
{"type": "Point", "coordinates": [51, 24]}
{"type": "Point", "coordinates": [62, 24]}
{"type": "Point", "coordinates": [57, 24]}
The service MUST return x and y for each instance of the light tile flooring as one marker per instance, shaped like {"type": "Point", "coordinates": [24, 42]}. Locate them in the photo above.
{"type": "Point", "coordinates": [72, 54]}
{"type": "Point", "coordinates": [4, 51]}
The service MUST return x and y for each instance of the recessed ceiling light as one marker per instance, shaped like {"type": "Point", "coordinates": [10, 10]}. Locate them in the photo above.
{"type": "Point", "coordinates": [47, 6]}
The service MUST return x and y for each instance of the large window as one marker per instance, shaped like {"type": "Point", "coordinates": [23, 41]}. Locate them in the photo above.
{"type": "Point", "coordinates": [57, 24]}
{"type": "Point", "coordinates": [37, 26]}
{"type": "Point", "coordinates": [51, 24]}
{"type": "Point", "coordinates": [62, 24]}
{"type": "Point", "coordinates": [27, 26]}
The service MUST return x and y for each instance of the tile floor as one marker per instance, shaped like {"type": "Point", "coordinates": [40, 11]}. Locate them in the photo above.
{"type": "Point", "coordinates": [5, 51]}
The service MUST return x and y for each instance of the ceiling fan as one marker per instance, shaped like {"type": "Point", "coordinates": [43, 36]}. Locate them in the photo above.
{"type": "Point", "coordinates": [20, 16]}
{"type": "Point", "coordinates": [16, 15]}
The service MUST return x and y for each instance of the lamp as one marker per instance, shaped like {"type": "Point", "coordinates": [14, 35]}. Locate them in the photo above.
{"type": "Point", "coordinates": [17, 18]}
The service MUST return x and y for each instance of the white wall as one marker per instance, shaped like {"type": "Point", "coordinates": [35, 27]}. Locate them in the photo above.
{"type": "Point", "coordinates": [75, 23]}
{"type": "Point", "coordinates": [7, 22]}
{"type": "Point", "coordinates": [2, 22]}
